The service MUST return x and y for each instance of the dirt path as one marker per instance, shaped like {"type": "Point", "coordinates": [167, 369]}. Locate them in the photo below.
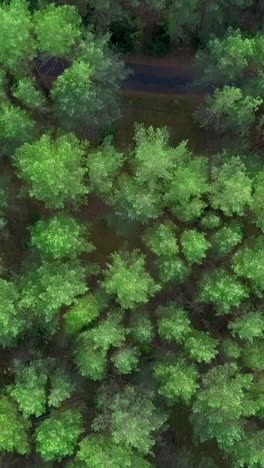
{"type": "Point", "coordinates": [174, 75]}
{"type": "Point", "coordinates": [182, 61]}
{"type": "Point", "coordinates": [162, 79]}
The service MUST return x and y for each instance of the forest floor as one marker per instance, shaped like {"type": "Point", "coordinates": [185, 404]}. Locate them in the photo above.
{"type": "Point", "coordinates": [161, 93]}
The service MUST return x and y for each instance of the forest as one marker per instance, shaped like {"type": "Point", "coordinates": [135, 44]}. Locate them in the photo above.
{"type": "Point", "coordinates": [132, 259]}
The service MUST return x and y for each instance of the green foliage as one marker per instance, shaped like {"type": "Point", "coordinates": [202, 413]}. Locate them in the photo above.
{"type": "Point", "coordinates": [141, 328]}
{"type": "Point", "coordinates": [127, 279]}
{"type": "Point", "coordinates": [162, 241]}
{"type": "Point", "coordinates": [223, 291]}
{"type": "Point", "coordinates": [233, 65]}
{"type": "Point", "coordinates": [13, 435]}
{"type": "Point", "coordinates": [194, 245]}
{"type": "Point", "coordinates": [73, 91]}
{"type": "Point", "coordinates": [85, 95]}
{"type": "Point", "coordinates": [137, 202]}
{"type": "Point", "coordinates": [210, 221]}
{"type": "Point", "coordinates": [248, 327]}
{"type": "Point", "coordinates": [174, 324]}
{"type": "Point", "coordinates": [231, 188]}
{"type": "Point", "coordinates": [61, 388]}
{"type": "Point", "coordinates": [220, 405]}
{"type": "Point", "coordinates": [27, 93]}
{"type": "Point", "coordinates": [153, 160]}
{"type": "Point", "coordinates": [56, 175]}
{"type": "Point", "coordinates": [100, 351]}
{"type": "Point", "coordinates": [257, 205]}
{"type": "Point", "coordinates": [109, 332]}
{"type": "Point", "coordinates": [231, 349]}
{"type": "Point", "coordinates": [126, 360]}
{"type": "Point", "coordinates": [96, 451]}
{"type": "Point", "coordinates": [57, 436]}
{"type": "Point", "coordinates": [249, 451]}
{"type": "Point", "coordinates": [226, 238]}
{"type": "Point", "coordinates": [183, 18]}
{"type": "Point", "coordinates": [253, 354]}
{"type": "Point", "coordinates": [248, 263]}
{"type": "Point", "coordinates": [225, 60]}
{"type": "Point", "coordinates": [104, 166]}
{"type": "Point", "coordinates": [3, 83]}
{"type": "Point", "coordinates": [177, 380]}
{"type": "Point", "coordinates": [172, 270]}
{"type": "Point", "coordinates": [188, 184]}
{"type": "Point", "coordinates": [92, 346]}
{"type": "Point", "coordinates": [12, 320]}
{"type": "Point", "coordinates": [17, 45]}
{"type": "Point", "coordinates": [39, 384]}
{"type": "Point", "coordinates": [82, 313]}
{"type": "Point", "coordinates": [91, 361]}
{"type": "Point", "coordinates": [57, 29]}
{"type": "Point", "coordinates": [201, 347]}
{"type": "Point", "coordinates": [190, 19]}
{"type": "Point", "coordinates": [16, 126]}
{"type": "Point", "coordinates": [51, 286]}
{"type": "Point", "coordinates": [59, 237]}
{"type": "Point", "coordinates": [131, 417]}
{"type": "Point", "coordinates": [29, 389]}
{"type": "Point", "coordinates": [229, 110]}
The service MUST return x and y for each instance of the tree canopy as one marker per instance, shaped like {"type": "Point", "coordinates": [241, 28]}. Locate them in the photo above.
{"type": "Point", "coordinates": [131, 275]}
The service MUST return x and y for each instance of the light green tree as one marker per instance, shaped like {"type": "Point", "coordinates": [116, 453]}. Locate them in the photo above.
{"type": "Point", "coordinates": [141, 328]}
{"type": "Point", "coordinates": [257, 205]}
{"type": "Point", "coordinates": [127, 279]}
{"type": "Point", "coordinates": [57, 29]}
{"type": "Point", "coordinates": [85, 94]}
{"type": "Point", "coordinates": [57, 436]}
{"type": "Point", "coordinates": [172, 270]}
{"type": "Point", "coordinates": [177, 380]}
{"type": "Point", "coordinates": [104, 166]}
{"type": "Point", "coordinates": [16, 39]}
{"type": "Point", "coordinates": [59, 237]}
{"type": "Point", "coordinates": [132, 419]}
{"type": "Point", "coordinates": [248, 327]}
{"type": "Point", "coordinates": [12, 319]}
{"type": "Point", "coordinates": [97, 451]}
{"type": "Point", "coordinates": [194, 245]}
{"type": "Point", "coordinates": [201, 347]}
{"type": "Point", "coordinates": [174, 324]}
{"type": "Point", "coordinates": [137, 202]}
{"type": "Point", "coordinates": [92, 346]}
{"type": "Point", "coordinates": [16, 126]}
{"type": "Point", "coordinates": [28, 94]}
{"type": "Point", "coordinates": [247, 263]}
{"type": "Point", "coordinates": [188, 184]}
{"type": "Point", "coordinates": [253, 354]}
{"type": "Point", "coordinates": [232, 188]}
{"type": "Point", "coordinates": [126, 360]}
{"type": "Point", "coordinates": [222, 418]}
{"type": "Point", "coordinates": [50, 286]}
{"type": "Point", "coordinates": [81, 313]}
{"type": "Point", "coordinates": [14, 428]}
{"type": "Point", "coordinates": [222, 290]}
{"type": "Point", "coordinates": [161, 240]}
{"type": "Point", "coordinates": [91, 361]}
{"type": "Point", "coordinates": [226, 238]}
{"type": "Point", "coordinates": [153, 160]}
{"type": "Point", "coordinates": [57, 177]}
{"type": "Point", "coordinates": [29, 389]}
{"type": "Point", "coordinates": [228, 110]}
